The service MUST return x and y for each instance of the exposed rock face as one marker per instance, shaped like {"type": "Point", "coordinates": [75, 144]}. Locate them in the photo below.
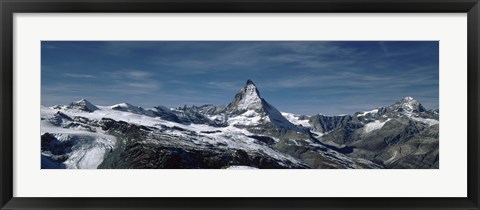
{"type": "Point", "coordinates": [248, 101]}
{"type": "Point", "coordinates": [323, 123]}
{"type": "Point", "coordinates": [157, 151]}
{"type": "Point", "coordinates": [166, 114]}
{"type": "Point", "coordinates": [386, 135]}
{"type": "Point", "coordinates": [406, 105]}
{"type": "Point", "coordinates": [56, 150]}
{"type": "Point", "coordinates": [421, 151]}
{"type": "Point", "coordinates": [126, 107]}
{"type": "Point", "coordinates": [192, 115]}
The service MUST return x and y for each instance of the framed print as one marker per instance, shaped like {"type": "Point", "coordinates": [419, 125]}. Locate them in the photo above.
{"type": "Point", "coordinates": [239, 105]}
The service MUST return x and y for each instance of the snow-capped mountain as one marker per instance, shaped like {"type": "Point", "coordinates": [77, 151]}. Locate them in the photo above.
{"type": "Point", "coordinates": [402, 135]}
{"type": "Point", "coordinates": [407, 105]}
{"type": "Point", "coordinates": [81, 105]}
{"type": "Point", "coordinates": [248, 133]}
{"type": "Point", "coordinates": [249, 109]}
{"type": "Point", "coordinates": [126, 107]}
{"type": "Point", "coordinates": [247, 99]}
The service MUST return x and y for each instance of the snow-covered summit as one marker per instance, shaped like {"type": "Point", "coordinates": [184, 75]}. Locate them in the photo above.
{"type": "Point", "coordinates": [121, 105]}
{"type": "Point", "coordinates": [158, 111]}
{"type": "Point", "coordinates": [408, 105]}
{"type": "Point", "coordinates": [126, 107]}
{"type": "Point", "coordinates": [247, 99]}
{"type": "Point", "coordinates": [82, 105]}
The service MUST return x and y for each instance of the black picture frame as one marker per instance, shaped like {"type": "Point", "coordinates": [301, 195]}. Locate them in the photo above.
{"type": "Point", "coordinates": [10, 7]}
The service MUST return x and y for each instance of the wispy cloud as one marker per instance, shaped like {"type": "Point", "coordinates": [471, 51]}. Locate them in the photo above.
{"type": "Point", "coordinates": [227, 85]}
{"type": "Point", "coordinates": [131, 74]}
{"type": "Point", "coordinates": [138, 74]}
{"type": "Point", "coordinates": [257, 55]}
{"type": "Point", "coordinates": [152, 86]}
{"type": "Point", "coordinates": [136, 81]}
{"type": "Point", "coordinates": [89, 76]}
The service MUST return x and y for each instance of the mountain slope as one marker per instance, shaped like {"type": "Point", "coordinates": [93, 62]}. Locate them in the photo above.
{"type": "Point", "coordinates": [248, 104]}
{"type": "Point", "coordinates": [376, 134]}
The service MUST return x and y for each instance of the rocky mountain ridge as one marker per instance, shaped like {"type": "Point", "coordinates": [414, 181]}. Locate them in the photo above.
{"type": "Point", "coordinates": [247, 132]}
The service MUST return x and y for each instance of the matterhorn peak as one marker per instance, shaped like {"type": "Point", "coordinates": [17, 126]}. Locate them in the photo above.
{"type": "Point", "coordinates": [247, 99]}
{"type": "Point", "coordinates": [251, 89]}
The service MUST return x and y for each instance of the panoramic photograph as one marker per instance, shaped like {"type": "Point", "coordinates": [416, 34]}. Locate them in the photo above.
{"type": "Point", "coordinates": [239, 105]}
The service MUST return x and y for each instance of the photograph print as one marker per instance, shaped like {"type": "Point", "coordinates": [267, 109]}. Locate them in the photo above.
{"type": "Point", "coordinates": [239, 105]}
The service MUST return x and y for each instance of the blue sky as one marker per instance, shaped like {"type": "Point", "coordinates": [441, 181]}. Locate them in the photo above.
{"type": "Point", "coordinates": [301, 77]}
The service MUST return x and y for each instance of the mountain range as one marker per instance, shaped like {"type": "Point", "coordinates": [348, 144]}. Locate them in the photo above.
{"type": "Point", "coordinates": [247, 133]}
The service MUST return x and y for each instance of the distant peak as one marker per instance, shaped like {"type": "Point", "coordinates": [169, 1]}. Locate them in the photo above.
{"type": "Point", "coordinates": [83, 102]}
{"type": "Point", "coordinates": [83, 105]}
{"type": "Point", "coordinates": [122, 105]}
{"type": "Point", "coordinates": [250, 82]}
{"type": "Point", "coordinates": [409, 100]}
{"type": "Point", "coordinates": [407, 104]}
